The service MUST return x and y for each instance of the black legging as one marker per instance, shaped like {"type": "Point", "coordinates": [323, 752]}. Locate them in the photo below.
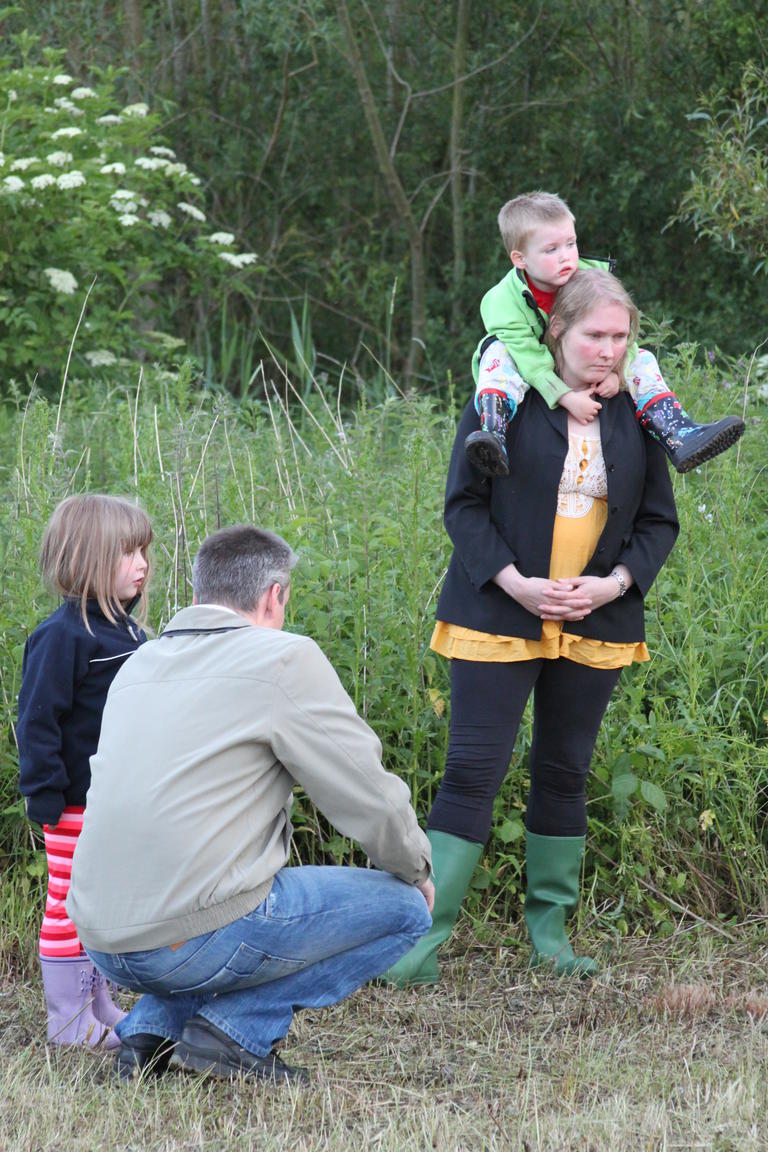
{"type": "Point", "coordinates": [487, 702]}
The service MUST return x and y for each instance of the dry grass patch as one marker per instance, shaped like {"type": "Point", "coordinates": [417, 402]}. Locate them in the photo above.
{"type": "Point", "coordinates": [666, 1050]}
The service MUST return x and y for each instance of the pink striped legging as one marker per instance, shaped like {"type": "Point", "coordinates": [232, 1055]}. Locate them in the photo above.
{"type": "Point", "coordinates": [58, 936]}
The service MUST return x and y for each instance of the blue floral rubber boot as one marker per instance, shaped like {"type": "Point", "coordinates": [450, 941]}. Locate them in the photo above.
{"type": "Point", "coordinates": [486, 449]}
{"type": "Point", "coordinates": [453, 863]}
{"type": "Point", "coordinates": [686, 443]}
{"type": "Point", "coordinates": [553, 868]}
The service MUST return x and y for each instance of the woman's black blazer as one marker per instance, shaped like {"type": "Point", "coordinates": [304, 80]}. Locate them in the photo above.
{"type": "Point", "coordinates": [511, 520]}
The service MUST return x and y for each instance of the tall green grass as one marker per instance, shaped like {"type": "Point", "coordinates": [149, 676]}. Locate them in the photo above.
{"type": "Point", "coordinates": [680, 780]}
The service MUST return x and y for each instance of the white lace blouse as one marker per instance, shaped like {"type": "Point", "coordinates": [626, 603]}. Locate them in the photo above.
{"type": "Point", "coordinates": [583, 480]}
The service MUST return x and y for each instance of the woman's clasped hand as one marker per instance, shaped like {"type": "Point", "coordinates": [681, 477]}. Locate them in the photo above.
{"type": "Point", "coordinates": [564, 599]}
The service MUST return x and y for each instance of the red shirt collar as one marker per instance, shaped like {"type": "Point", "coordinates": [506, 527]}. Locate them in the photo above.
{"type": "Point", "coordinates": [544, 300]}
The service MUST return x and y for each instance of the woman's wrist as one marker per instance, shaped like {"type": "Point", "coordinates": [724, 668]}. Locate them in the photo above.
{"type": "Point", "coordinates": [621, 578]}
{"type": "Point", "coordinates": [509, 580]}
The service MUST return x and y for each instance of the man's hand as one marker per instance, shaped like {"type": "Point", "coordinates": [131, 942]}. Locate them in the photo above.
{"type": "Point", "coordinates": [609, 387]}
{"type": "Point", "coordinates": [427, 890]}
{"type": "Point", "coordinates": [581, 405]}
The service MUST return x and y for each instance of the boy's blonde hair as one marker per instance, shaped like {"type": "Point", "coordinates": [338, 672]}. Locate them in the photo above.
{"type": "Point", "coordinates": [83, 544]}
{"type": "Point", "coordinates": [519, 217]}
{"type": "Point", "coordinates": [586, 289]}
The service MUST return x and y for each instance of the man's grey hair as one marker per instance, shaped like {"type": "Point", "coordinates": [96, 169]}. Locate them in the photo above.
{"type": "Point", "coordinates": [237, 565]}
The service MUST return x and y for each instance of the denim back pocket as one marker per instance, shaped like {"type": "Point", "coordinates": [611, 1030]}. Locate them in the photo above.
{"type": "Point", "coordinates": [245, 968]}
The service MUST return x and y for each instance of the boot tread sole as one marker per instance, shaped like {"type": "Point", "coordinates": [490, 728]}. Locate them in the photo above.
{"type": "Point", "coordinates": [717, 445]}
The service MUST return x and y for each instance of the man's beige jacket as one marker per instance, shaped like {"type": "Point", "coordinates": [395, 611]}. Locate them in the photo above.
{"type": "Point", "coordinates": [206, 731]}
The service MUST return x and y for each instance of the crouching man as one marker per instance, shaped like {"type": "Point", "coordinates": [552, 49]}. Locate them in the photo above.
{"type": "Point", "coordinates": [180, 888]}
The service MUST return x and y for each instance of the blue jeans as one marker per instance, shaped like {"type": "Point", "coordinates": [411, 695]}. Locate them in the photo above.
{"type": "Point", "coordinates": [320, 934]}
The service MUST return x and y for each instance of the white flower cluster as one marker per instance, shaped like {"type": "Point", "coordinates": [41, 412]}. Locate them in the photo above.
{"type": "Point", "coordinates": [59, 159]}
{"type": "Point", "coordinates": [43, 181]}
{"type": "Point", "coordinates": [239, 259]}
{"type": "Point", "coordinates": [60, 132]}
{"type": "Point", "coordinates": [150, 163]}
{"type": "Point", "coordinates": [73, 179]}
{"type": "Point", "coordinates": [62, 79]}
{"type": "Point", "coordinates": [100, 358]}
{"type": "Point", "coordinates": [159, 150]}
{"type": "Point", "coordinates": [118, 169]}
{"type": "Point", "coordinates": [110, 118]}
{"type": "Point", "coordinates": [192, 211]}
{"type": "Point", "coordinates": [64, 104]}
{"type": "Point", "coordinates": [83, 94]}
{"type": "Point", "coordinates": [136, 110]}
{"type": "Point", "coordinates": [159, 219]}
{"type": "Point", "coordinates": [61, 281]}
{"type": "Point", "coordinates": [128, 219]}
{"type": "Point", "coordinates": [23, 163]}
{"type": "Point", "coordinates": [221, 238]}
{"type": "Point", "coordinates": [13, 184]}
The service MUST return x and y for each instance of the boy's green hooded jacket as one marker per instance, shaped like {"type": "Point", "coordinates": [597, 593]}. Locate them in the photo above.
{"type": "Point", "coordinates": [511, 314]}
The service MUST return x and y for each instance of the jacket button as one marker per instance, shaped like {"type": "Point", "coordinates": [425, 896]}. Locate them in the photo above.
{"type": "Point", "coordinates": [601, 548]}
{"type": "Point", "coordinates": [611, 467]}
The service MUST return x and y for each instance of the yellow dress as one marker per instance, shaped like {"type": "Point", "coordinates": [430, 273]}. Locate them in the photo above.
{"type": "Point", "coordinates": [580, 519]}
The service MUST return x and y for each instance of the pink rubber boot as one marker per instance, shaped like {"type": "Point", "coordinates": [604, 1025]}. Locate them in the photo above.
{"type": "Point", "coordinates": [69, 998]}
{"type": "Point", "coordinates": [105, 1004]}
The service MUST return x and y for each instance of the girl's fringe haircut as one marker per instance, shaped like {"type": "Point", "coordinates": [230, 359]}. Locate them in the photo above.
{"type": "Point", "coordinates": [83, 543]}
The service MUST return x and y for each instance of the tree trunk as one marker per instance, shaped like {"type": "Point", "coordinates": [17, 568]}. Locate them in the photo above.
{"type": "Point", "coordinates": [134, 37]}
{"type": "Point", "coordinates": [395, 191]}
{"type": "Point", "coordinates": [457, 185]}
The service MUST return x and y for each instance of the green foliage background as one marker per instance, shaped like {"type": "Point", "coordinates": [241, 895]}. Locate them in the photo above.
{"type": "Point", "coordinates": [679, 786]}
{"type": "Point", "coordinates": [590, 100]}
{"type": "Point", "coordinates": [648, 118]}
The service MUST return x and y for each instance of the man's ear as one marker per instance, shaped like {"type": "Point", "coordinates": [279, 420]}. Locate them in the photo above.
{"type": "Point", "coordinates": [276, 599]}
{"type": "Point", "coordinates": [517, 258]}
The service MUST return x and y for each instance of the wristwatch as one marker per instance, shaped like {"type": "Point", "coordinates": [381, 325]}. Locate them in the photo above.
{"type": "Point", "coordinates": [621, 582]}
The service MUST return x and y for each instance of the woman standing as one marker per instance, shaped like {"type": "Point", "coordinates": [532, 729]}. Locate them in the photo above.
{"type": "Point", "coordinates": [544, 594]}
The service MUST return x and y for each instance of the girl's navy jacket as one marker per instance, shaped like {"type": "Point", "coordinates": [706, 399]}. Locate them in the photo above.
{"type": "Point", "coordinates": [65, 678]}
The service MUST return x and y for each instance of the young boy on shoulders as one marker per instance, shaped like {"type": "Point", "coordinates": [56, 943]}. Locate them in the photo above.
{"type": "Point", "coordinates": [539, 234]}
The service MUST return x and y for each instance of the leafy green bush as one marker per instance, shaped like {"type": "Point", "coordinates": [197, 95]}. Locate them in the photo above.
{"type": "Point", "coordinates": [679, 792]}
{"type": "Point", "coordinates": [90, 195]}
{"type": "Point", "coordinates": [728, 195]}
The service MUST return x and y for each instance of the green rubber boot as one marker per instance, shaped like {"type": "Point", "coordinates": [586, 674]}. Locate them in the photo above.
{"type": "Point", "coordinates": [453, 862]}
{"type": "Point", "coordinates": [553, 866]}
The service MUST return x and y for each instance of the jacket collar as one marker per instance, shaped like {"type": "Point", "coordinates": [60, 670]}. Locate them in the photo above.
{"type": "Point", "coordinates": [93, 608]}
{"type": "Point", "coordinates": [558, 418]}
{"type": "Point", "coordinates": [206, 618]}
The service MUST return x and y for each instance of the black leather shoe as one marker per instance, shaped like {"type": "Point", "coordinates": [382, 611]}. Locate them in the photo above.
{"type": "Point", "coordinates": [143, 1055]}
{"type": "Point", "coordinates": [205, 1048]}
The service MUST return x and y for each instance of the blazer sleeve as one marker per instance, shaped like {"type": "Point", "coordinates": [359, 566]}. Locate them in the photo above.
{"type": "Point", "coordinates": [656, 524]}
{"type": "Point", "coordinates": [336, 758]}
{"type": "Point", "coordinates": [48, 681]}
{"type": "Point", "coordinates": [477, 542]}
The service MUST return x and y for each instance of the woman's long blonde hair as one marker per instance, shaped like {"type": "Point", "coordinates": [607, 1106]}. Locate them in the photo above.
{"type": "Point", "coordinates": [586, 289]}
{"type": "Point", "coordinates": [83, 544]}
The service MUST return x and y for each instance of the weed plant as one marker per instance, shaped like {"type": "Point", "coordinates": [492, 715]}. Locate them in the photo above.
{"type": "Point", "coordinates": [679, 789]}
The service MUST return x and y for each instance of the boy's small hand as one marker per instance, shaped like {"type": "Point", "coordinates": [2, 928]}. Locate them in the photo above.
{"type": "Point", "coordinates": [581, 405]}
{"type": "Point", "coordinates": [609, 386]}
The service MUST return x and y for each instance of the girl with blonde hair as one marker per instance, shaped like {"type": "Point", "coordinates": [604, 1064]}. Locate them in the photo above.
{"type": "Point", "coordinates": [94, 555]}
